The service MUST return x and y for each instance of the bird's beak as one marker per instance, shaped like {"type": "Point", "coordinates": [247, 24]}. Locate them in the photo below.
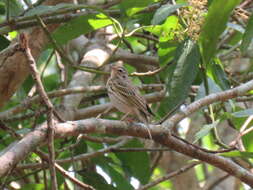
{"type": "Point", "coordinates": [113, 68]}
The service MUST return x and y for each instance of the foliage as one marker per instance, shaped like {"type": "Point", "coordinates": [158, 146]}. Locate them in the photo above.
{"type": "Point", "coordinates": [152, 28]}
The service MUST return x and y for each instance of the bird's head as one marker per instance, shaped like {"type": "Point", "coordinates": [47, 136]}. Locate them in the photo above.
{"type": "Point", "coordinates": [119, 72]}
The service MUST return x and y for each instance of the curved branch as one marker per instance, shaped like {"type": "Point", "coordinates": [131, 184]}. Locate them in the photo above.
{"type": "Point", "coordinates": [212, 98]}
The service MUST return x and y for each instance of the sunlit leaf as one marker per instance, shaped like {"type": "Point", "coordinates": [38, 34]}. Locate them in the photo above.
{"type": "Point", "coordinates": [131, 7]}
{"type": "Point", "coordinates": [80, 25]}
{"type": "Point", "coordinates": [33, 186]}
{"type": "Point", "coordinates": [167, 44]}
{"type": "Point", "coordinates": [237, 154]}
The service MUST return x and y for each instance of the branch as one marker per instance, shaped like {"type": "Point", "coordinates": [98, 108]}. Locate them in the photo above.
{"type": "Point", "coordinates": [65, 173]}
{"type": "Point", "coordinates": [40, 88]}
{"type": "Point", "coordinates": [93, 111]}
{"type": "Point", "coordinates": [18, 151]}
{"type": "Point", "coordinates": [27, 103]}
{"type": "Point", "coordinates": [135, 59]}
{"type": "Point", "coordinates": [212, 98]}
{"type": "Point", "coordinates": [81, 157]}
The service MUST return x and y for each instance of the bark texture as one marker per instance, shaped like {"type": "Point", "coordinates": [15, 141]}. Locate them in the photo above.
{"type": "Point", "coordinates": [13, 64]}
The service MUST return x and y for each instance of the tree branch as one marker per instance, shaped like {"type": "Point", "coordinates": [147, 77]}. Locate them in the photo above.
{"type": "Point", "coordinates": [40, 88]}
{"type": "Point", "coordinates": [212, 98]}
{"type": "Point", "coordinates": [18, 151]}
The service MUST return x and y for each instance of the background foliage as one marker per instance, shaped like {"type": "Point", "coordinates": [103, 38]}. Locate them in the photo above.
{"type": "Point", "coordinates": [202, 47]}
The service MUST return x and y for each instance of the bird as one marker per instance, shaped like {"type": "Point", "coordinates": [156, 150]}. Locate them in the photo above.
{"type": "Point", "coordinates": [126, 97]}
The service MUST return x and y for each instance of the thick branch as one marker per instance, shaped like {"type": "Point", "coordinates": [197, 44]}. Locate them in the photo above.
{"type": "Point", "coordinates": [20, 150]}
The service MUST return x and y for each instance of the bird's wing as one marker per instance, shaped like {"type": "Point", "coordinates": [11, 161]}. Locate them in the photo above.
{"type": "Point", "coordinates": [132, 95]}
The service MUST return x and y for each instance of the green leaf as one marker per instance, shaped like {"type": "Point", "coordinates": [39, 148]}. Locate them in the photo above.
{"type": "Point", "coordinates": [80, 25]}
{"type": "Point", "coordinates": [3, 42]}
{"type": "Point", "coordinates": [167, 44]}
{"type": "Point", "coordinates": [2, 8]}
{"type": "Point", "coordinates": [183, 75]}
{"type": "Point", "coordinates": [33, 186]}
{"type": "Point", "coordinates": [116, 177]}
{"type": "Point", "coordinates": [15, 8]}
{"type": "Point", "coordinates": [136, 163]}
{"type": "Point", "coordinates": [164, 11]}
{"type": "Point", "coordinates": [247, 141]}
{"type": "Point", "coordinates": [45, 9]}
{"type": "Point", "coordinates": [96, 180]}
{"type": "Point", "coordinates": [216, 72]}
{"type": "Point", "coordinates": [51, 82]}
{"type": "Point", "coordinates": [237, 154]}
{"type": "Point", "coordinates": [215, 24]}
{"type": "Point", "coordinates": [130, 7]}
{"type": "Point", "coordinates": [205, 130]}
{"type": "Point", "coordinates": [243, 113]}
{"type": "Point", "coordinates": [248, 35]}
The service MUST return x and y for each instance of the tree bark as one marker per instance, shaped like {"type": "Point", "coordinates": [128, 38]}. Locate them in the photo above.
{"type": "Point", "coordinates": [13, 64]}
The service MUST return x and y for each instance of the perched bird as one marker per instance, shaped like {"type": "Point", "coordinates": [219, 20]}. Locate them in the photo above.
{"type": "Point", "coordinates": [126, 97]}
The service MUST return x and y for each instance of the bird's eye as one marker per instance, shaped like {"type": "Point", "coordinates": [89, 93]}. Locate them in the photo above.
{"type": "Point", "coordinates": [120, 70]}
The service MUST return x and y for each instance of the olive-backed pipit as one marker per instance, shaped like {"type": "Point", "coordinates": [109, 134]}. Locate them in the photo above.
{"type": "Point", "coordinates": [126, 97]}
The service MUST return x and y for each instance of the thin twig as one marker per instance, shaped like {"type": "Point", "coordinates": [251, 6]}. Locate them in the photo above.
{"type": "Point", "coordinates": [64, 172]}
{"type": "Point", "coordinates": [93, 139]}
{"type": "Point", "coordinates": [25, 116]}
{"type": "Point", "coordinates": [73, 179]}
{"type": "Point", "coordinates": [139, 149]}
{"type": "Point", "coordinates": [216, 182]}
{"type": "Point", "coordinates": [169, 175]}
{"type": "Point", "coordinates": [156, 161]}
{"type": "Point", "coordinates": [149, 73]}
{"type": "Point", "coordinates": [39, 86]}
{"type": "Point", "coordinates": [45, 178]}
{"type": "Point", "coordinates": [27, 103]}
{"type": "Point", "coordinates": [243, 131]}
{"type": "Point", "coordinates": [10, 130]}
{"type": "Point", "coordinates": [203, 149]}
{"type": "Point", "coordinates": [82, 157]}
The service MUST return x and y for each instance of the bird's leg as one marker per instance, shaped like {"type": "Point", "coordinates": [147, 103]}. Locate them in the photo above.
{"type": "Point", "coordinates": [104, 112]}
{"type": "Point", "coordinates": [146, 125]}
